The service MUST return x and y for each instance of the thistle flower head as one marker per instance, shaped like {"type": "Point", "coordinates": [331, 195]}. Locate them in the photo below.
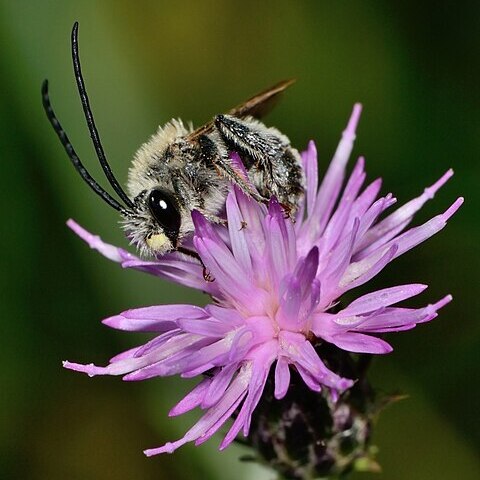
{"type": "Point", "coordinates": [275, 294]}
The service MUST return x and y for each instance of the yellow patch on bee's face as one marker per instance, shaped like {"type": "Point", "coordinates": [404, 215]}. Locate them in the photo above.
{"type": "Point", "coordinates": [158, 242]}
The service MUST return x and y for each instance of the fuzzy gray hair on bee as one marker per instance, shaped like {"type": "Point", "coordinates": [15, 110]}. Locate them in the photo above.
{"type": "Point", "coordinates": [181, 169]}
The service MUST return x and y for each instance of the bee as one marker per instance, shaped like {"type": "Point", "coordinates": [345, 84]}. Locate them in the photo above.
{"type": "Point", "coordinates": [181, 169]}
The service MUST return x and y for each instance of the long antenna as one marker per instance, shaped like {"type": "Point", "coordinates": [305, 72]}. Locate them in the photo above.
{"type": "Point", "coordinates": [77, 163]}
{"type": "Point", "coordinates": [91, 122]}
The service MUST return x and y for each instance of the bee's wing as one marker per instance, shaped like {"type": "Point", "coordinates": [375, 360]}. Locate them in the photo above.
{"type": "Point", "coordinates": [260, 104]}
{"type": "Point", "coordinates": [257, 106]}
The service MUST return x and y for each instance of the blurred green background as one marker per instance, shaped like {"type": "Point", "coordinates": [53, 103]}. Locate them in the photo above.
{"type": "Point", "coordinates": [414, 66]}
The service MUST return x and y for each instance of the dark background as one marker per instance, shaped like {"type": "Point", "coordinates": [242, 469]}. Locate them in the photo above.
{"type": "Point", "coordinates": [414, 66]}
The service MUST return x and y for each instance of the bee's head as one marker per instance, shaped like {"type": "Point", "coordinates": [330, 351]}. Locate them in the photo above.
{"type": "Point", "coordinates": [152, 219]}
{"type": "Point", "coordinates": [153, 225]}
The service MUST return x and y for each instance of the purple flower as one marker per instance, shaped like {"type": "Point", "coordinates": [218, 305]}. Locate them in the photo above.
{"type": "Point", "coordinates": [276, 283]}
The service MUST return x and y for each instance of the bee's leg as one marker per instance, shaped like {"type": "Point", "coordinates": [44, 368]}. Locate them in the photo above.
{"type": "Point", "coordinates": [260, 145]}
{"type": "Point", "coordinates": [187, 191]}
{"type": "Point", "coordinates": [225, 167]}
{"type": "Point", "coordinates": [270, 152]}
{"type": "Point", "coordinates": [260, 148]}
{"type": "Point", "coordinates": [228, 170]}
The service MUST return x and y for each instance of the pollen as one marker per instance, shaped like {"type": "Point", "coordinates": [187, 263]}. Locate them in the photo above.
{"type": "Point", "coordinates": [157, 242]}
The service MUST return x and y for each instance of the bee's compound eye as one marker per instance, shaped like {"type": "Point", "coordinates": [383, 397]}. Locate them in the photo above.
{"type": "Point", "coordinates": [165, 210]}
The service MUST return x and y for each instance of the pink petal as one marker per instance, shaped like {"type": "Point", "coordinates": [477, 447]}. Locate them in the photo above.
{"type": "Point", "coordinates": [405, 213]}
{"type": "Point", "coordinates": [282, 378]}
{"type": "Point", "coordinates": [366, 198]}
{"type": "Point", "coordinates": [336, 225]}
{"type": "Point", "coordinates": [280, 242]}
{"type": "Point", "coordinates": [332, 181]}
{"type": "Point", "coordinates": [262, 360]}
{"type": "Point", "coordinates": [227, 316]}
{"type": "Point", "coordinates": [207, 327]}
{"type": "Point", "coordinates": [413, 237]}
{"type": "Point", "coordinates": [310, 163]}
{"type": "Point", "coordinates": [339, 262]}
{"type": "Point", "coordinates": [238, 238]}
{"type": "Point", "coordinates": [253, 214]}
{"type": "Point", "coordinates": [240, 168]}
{"type": "Point", "coordinates": [417, 235]}
{"type": "Point", "coordinates": [95, 242]}
{"type": "Point", "coordinates": [170, 342]}
{"type": "Point", "coordinates": [154, 319]}
{"type": "Point", "coordinates": [396, 319]}
{"type": "Point", "coordinates": [359, 343]}
{"type": "Point", "coordinates": [213, 419]}
{"type": "Point", "coordinates": [233, 282]}
{"type": "Point", "coordinates": [192, 399]}
{"type": "Point", "coordinates": [383, 298]}
{"type": "Point", "coordinates": [219, 384]}
{"type": "Point", "coordinates": [310, 381]}
{"type": "Point", "coordinates": [358, 273]}
{"type": "Point", "coordinates": [178, 269]}
{"type": "Point", "coordinates": [301, 353]}
{"type": "Point", "coordinates": [371, 215]}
